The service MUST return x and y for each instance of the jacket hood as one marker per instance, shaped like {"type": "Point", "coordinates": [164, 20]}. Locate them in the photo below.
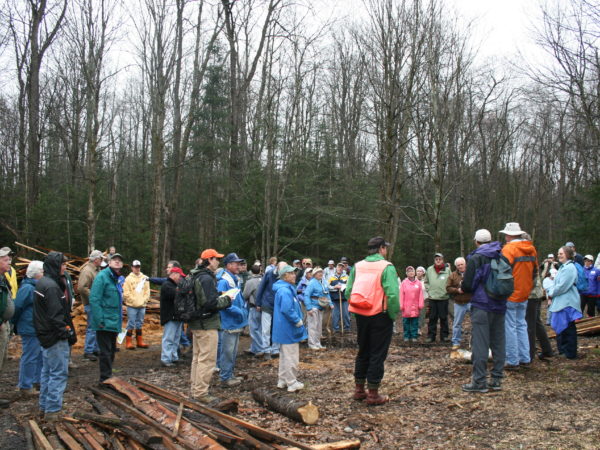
{"type": "Point", "coordinates": [525, 246]}
{"type": "Point", "coordinates": [52, 264]}
{"type": "Point", "coordinates": [491, 250]}
{"type": "Point", "coordinates": [280, 284]}
{"type": "Point", "coordinates": [31, 281]}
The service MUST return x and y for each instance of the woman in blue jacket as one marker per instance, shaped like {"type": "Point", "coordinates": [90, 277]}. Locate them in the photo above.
{"type": "Point", "coordinates": [30, 368]}
{"type": "Point", "coordinates": [316, 299]}
{"type": "Point", "coordinates": [566, 304]}
{"type": "Point", "coordinates": [288, 329]}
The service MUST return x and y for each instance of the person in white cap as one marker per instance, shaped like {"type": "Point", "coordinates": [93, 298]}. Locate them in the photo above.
{"type": "Point", "coordinates": [329, 270]}
{"type": "Point", "coordinates": [136, 293]}
{"type": "Point", "coordinates": [590, 295]}
{"type": "Point", "coordinates": [522, 256]}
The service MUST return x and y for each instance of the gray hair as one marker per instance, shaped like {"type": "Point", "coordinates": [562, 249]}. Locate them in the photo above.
{"type": "Point", "coordinates": [526, 236]}
{"type": "Point", "coordinates": [459, 259]}
{"type": "Point", "coordinates": [34, 268]}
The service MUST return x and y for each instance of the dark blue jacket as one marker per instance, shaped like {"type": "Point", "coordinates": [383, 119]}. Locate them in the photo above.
{"type": "Point", "coordinates": [478, 270]}
{"type": "Point", "coordinates": [265, 297]}
{"type": "Point", "coordinates": [23, 318]}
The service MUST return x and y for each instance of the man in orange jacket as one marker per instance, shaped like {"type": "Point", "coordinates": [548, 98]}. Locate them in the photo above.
{"type": "Point", "coordinates": [522, 256]}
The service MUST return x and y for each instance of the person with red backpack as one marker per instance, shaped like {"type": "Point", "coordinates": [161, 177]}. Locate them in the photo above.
{"type": "Point", "coordinates": [373, 294]}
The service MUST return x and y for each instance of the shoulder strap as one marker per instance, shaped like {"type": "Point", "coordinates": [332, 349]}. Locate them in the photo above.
{"type": "Point", "coordinates": [524, 259]}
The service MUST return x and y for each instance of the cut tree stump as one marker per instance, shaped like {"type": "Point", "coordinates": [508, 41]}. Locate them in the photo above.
{"type": "Point", "coordinates": [291, 407]}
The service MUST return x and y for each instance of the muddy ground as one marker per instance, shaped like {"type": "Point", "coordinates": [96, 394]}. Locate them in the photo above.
{"type": "Point", "coordinates": [554, 404]}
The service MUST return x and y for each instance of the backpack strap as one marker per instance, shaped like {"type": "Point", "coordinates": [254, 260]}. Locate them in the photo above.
{"type": "Point", "coordinates": [524, 259]}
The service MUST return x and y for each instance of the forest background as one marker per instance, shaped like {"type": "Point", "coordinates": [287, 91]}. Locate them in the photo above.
{"type": "Point", "coordinates": [256, 126]}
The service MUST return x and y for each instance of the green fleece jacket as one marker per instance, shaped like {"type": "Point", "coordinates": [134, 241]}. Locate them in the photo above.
{"type": "Point", "coordinates": [389, 281]}
{"type": "Point", "coordinates": [435, 283]}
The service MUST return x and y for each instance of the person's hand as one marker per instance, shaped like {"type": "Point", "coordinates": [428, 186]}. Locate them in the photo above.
{"type": "Point", "coordinates": [460, 291]}
{"type": "Point", "coordinates": [299, 324]}
{"type": "Point", "coordinates": [258, 308]}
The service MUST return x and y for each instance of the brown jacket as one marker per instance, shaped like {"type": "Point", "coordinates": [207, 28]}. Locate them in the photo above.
{"type": "Point", "coordinates": [86, 278]}
{"type": "Point", "coordinates": [452, 286]}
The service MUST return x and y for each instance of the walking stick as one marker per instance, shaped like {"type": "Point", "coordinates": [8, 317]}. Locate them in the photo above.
{"type": "Point", "coordinates": [341, 319]}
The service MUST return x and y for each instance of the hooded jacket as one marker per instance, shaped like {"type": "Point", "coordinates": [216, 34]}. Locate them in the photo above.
{"type": "Point", "coordinates": [236, 316]}
{"type": "Point", "coordinates": [105, 301]}
{"type": "Point", "coordinates": [136, 290]}
{"type": "Point", "coordinates": [51, 316]}
{"type": "Point", "coordinates": [287, 315]}
{"type": "Point", "coordinates": [411, 298]}
{"type": "Point", "coordinates": [478, 270]}
{"type": "Point", "coordinates": [592, 274]}
{"type": "Point", "coordinates": [522, 256]}
{"type": "Point", "coordinates": [23, 318]}
{"type": "Point", "coordinates": [167, 301]}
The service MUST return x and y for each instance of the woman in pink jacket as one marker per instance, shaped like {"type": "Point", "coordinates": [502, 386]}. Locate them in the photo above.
{"type": "Point", "coordinates": [411, 304]}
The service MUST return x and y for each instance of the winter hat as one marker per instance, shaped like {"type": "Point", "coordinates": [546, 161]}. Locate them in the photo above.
{"type": "Point", "coordinates": [409, 268]}
{"type": "Point", "coordinates": [421, 268]}
{"type": "Point", "coordinates": [483, 236]}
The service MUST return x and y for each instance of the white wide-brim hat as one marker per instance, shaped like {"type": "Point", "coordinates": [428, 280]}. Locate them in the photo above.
{"type": "Point", "coordinates": [512, 229]}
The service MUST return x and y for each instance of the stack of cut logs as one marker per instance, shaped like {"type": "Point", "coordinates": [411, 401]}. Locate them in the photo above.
{"type": "Point", "coordinates": [143, 415]}
{"type": "Point", "coordinates": [588, 326]}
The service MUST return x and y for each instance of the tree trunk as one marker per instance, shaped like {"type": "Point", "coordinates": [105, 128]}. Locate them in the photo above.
{"type": "Point", "coordinates": [291, 407]}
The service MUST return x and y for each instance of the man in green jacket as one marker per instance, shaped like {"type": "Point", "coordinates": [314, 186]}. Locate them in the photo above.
{"type": "Point", "coordinates": [106, 297]}
{"type": "Point", "coordinates": [205, 330]}
{"type": "Point", "coordinates": [436, 278]}
{"type": "Point", "coordinates": [375, 302]}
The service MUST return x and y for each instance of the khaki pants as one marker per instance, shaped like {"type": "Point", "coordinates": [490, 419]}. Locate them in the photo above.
{"type": "Point", "coordinates": [204, 361]}
{"type": "Point", "coordinates": [314, 319]}
{"type": "Point", "coordinates": [4, 338]}
{"type": "Point", "coordinates": [289, 358]}
{"type": "Point", "coordinates": [327, 325]}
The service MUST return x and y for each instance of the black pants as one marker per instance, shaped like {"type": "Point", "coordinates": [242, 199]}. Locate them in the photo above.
{"type": "Point", "coordinates": [374, 338]}
{"type": "Point", "coordinates": [107, 343]}
{"type": "Point", "coordinates": [536, 329]}
{"type": "Point", "coordinates": [567, 341]}
{"type": "Point", "coordinates": [590, 302]}
{"type": "Point", "coordinates": [438, 310]}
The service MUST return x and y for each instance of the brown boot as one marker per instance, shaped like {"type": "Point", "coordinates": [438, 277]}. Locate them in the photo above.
{"type": "Point", "coordinates": [374, 399]}
{"type": "Point", "coordinates": [129, 341]}
{"type": "Point", "coordinates": [140, 341]}
{"type": "Point", "coordinates": [359, 391]}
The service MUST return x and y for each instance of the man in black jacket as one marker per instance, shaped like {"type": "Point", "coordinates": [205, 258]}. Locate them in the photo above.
{"type": "Point", "coordinates": [172, 327]}
{"type": "Point", "coordinates": [54, 329]}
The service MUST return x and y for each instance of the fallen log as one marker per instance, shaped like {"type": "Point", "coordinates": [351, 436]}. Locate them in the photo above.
{"type": "Point", "coordinates": [28, 436]}
{"type": "Point", "coordinates": [39, 438]}
{"type": "Point", "coordinates": [291, 407]}
{"type": "Point", "coordinates": [163, 430]}
{"type": "Point", "coordinates": [160, 413]}
{"type": "Point", "coordinates": [339, 445]}
{"type": "Point", "coordinates": [257, 431]}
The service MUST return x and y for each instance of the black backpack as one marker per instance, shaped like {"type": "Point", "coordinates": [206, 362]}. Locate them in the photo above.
{"type": "Point", "coordinates": [186, 303]}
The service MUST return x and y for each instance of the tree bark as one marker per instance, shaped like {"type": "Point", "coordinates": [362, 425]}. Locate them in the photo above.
{"type": "Point", "coordinates": [291, 407]}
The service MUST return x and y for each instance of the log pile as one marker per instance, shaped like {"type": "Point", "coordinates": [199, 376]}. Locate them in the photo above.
{"type": "Point", "coordinates": [589, 326]}
{"type": "Point", "coordinates": [140, 415]}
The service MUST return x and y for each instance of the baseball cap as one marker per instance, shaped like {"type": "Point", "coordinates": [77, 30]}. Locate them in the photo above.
{"type": "Point", "coordinates": [6, 251]}
{"type": "Point", "coordinates": [344, 259]}
{"type": "Point", "coordinates": [210, 253]}
{"type": "Point", "coordinates": [483, 236]}
{"type": "Point", "coordinates": [296, 261]}
{"type": "Point", "coordinates": [136, 263]}
{"type": "Point", "coordinates": [438, 254]}
{"type": "Point", "coordinates": [589, 257]}
{"type": "Point", "coordinates": [569, 244]}
{"type": "Point", "coordinates": [550, 255]}
{"type": "Point", "coordinates": [96, 254]}
{"type": "Point", "coordinates": [330, 262]}
{"type": "Point", "coordinates": [231, 258]}
{"type": "Point", "coordinates": [178, 270]}
{"type": "Point", "coordinates": [285, 269]}
{"type": "Point", "coordinates": [116, 255]}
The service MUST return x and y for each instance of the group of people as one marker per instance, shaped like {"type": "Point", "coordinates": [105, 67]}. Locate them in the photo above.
{"type": "Point", "coordinates": [286, 304]}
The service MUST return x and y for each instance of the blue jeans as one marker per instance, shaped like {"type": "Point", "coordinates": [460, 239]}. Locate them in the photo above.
{"type": "Point", "coordinates": [55, 372]}
{"type": "Point", "coordinates": [254, 323]}
{"type": "Point", "coordinates": [184, 340]}
{"type": "Point", "coordinates": [170, 341]}
{"type": "Point", "coordinates": [460, 311]}
{"type": "Point", "coordinates": [335, 315]}
{"type": "Point", "coordinates": [135, 318]}
{"type": "Point", "coordinates": [517, 339]}
{"type": "Point", "coordinates": [410, 325]}
{"type": "Point", "coordinates": [30, 368]}
{"type": "Point", "coordinates": [266, 322]}
{"type": "Point", "coordinates": [91, 345]}
{"type": "Point", "coordinates": [229, 345]}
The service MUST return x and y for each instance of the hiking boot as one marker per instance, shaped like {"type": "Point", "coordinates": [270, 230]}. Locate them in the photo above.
{"type": "Point", "coordinates": [511, 367]}
{"type": "Point", "coordinates": [274, 355]}
{"type": "Point", "coordinates": [267, 356]}
{"type": "Point", "coordinates": [72, 365]}
{"type": "Point", "coordinates": [359, 391]}
{"type": "Point", "coordinates": [28, 392]}
{"type": "Point", "coordinates": [90, 357]}
{"type": "Point", "coordinates": [139, 340]}
{"type": "Point", "coordinates": [495, 384]}
{"type": "Point", "coordinates": [52, 417]}
{"type": "Point", "coordinates": [281, 385]}
{"type": "Point", "coordinates": [472, 387]}
{"type": "Point", "coordinates": [374, 399]}
{"type": "Point", "coordinates": [231, 382]}
{"type": "Point", "coordinates": [430, 340]}
{"type": "Point", "coordinates": [296, 386]}
{"type": "Point", "coordinates": [206, 399]}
